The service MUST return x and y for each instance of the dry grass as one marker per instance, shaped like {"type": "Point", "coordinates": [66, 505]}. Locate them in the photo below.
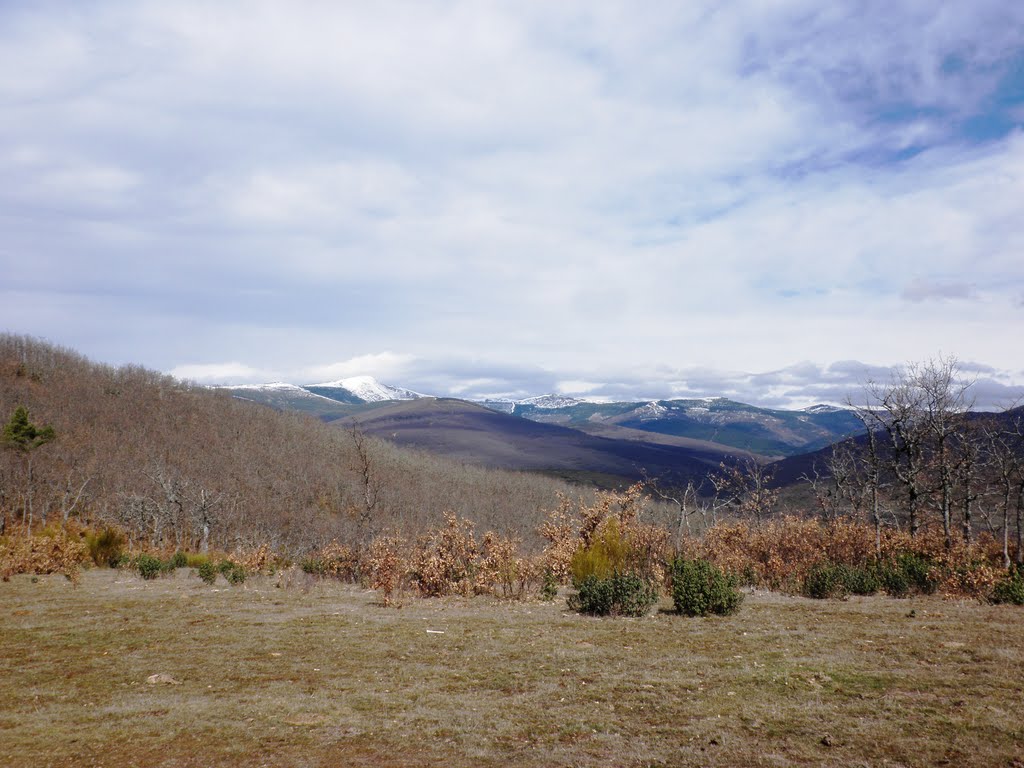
{"type": "Point", "coordinates": [322, 674]}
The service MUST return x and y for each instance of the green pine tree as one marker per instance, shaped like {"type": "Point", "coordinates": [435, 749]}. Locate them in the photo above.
{"type": "Point", "coordinates": [23, 436]}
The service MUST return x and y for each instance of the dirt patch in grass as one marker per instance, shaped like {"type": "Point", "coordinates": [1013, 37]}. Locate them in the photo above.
{"type": "Point", "coordinates": [325, 676]}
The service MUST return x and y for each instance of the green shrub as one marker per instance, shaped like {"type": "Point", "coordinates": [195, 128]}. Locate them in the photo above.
{"type": "Point", "coordinates": [605, 555]}
{"type": "Point", "coordinates": [235, 574]}
{"type": "Point", "coordinates": [835, 580]}
{"type": "Point", "coordinates": [824, 581]}
{"type": "Point", "coordinates": [549, 589]}
{"type": "Point", "coordinates": [106, 547]}
{"type": "Point", "coordinates": [179, 560]}
{"type": "Point", "coordinates": [207, 571]}
{"type": "Point", "coordinates": [621, 594]}
{"type": "Point", "coordinates": [314, 566]}
{"type": "Point", "coordinates": [196, 559]}
{"type": "Point", "coordinates": [905, 574]}
{"type": "Point", "coordinates": [1010, 589]}
{"type": "Point", "coordinates": [700, 589]}
{"type": "Point", "coordinates": [125, 561]}
{"type": "Point", "coordinates": [149, 567]}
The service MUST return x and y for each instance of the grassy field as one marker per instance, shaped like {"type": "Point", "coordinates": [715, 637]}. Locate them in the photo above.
{"type": "Point", "coordinates": [322, 674]}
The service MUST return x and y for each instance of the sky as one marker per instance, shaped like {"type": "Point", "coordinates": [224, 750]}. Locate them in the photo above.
{"type": "Point", "coordinates": [771, 201]}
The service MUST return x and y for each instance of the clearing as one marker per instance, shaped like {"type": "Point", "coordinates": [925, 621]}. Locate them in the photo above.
{"type": "Point", "coordinates": [319, 673]}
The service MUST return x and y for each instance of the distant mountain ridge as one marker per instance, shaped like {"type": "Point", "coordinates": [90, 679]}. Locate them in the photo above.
{"type": "Point", "coordinates": [772, 433]}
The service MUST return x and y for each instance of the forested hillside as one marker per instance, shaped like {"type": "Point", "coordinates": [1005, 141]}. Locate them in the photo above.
{"type": "Point", "coordinates": [189, 467]}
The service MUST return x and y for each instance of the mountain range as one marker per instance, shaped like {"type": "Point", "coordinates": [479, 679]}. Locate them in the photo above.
{"type": "Point", "coordinates": [579, 439]}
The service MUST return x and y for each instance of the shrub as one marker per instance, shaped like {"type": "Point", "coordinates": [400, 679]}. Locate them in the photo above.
{"type": "Point", "coordinates": [835, 580]}
{"type": "Point", "coordinates": [196, 559]}
{"type": "Point", "coordinates": [314, 566]}
{"type": "Point", "coordinates": [149, 567]}
{"type": "Point", "coordinates": [1010, 588]}
{"type": "Point", "coordinates": [235, 573]}
{"type": "Point", "coordinates": [445, 560]}
{"type": "Point", "coordinates": [179, 560]}
{"type": "Point", "coordinates": [906, 573]}
{"type": "Point", "coordinates": [106, 547]}
{"type": "Point", "coordinates": [335, 560]}
{"type": "Point", "coordinates": [620, 594]}
{"type": "Point", "coordinates": [51, 550]}
{"type": "Point", "coordinates": [861, 581]}
{"type": "Point", "coordinates": [700, 589]}
{"type": "Point", "coordinates": [606, 554]}
{"type": "Point", "coordinates": [549, 589]}
{"type": "Point", "coordinates": [207, 571]}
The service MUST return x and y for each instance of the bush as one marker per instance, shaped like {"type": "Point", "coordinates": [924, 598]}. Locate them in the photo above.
{"type": "Point", "coordinates": [207, 571]}
{"type": "Point", "coordinates": [549, 589]}
{"type": "Point", "coordinates": [700, 589]}
{"type": "Point", "coordinates": [1010, 589]}
{"type": "Point", "coordinates": [621, 594]}
{"type": "Point", "coordinates": [106, 547]}
{"type": "Point", "coordinates": [314, 566]}
{"type": "Point", "coordinates": [235, 573]}
{"type": "Point", "coordinates": [604, 556]}
{"type": "Point", "coordinates": [52, 550]}
{"type": "Point", "coordinates": [149, 567]}
{"type": "Point", "coordinates": [905, 574]}
{"type": "Point", "coordinates": [196, 559]}
{"type": "Point", "coordinates": [835, 580]}
{"type": "Point", "coordinates": [179, 560]}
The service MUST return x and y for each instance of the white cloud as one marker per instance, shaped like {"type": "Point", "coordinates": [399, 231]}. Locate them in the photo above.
{"type": "Point", "coordinates": [581, 188]}
{"type": "Point", "coordinates": [382, 365]}
{"type": "Point", "coordinates": [220, 373]}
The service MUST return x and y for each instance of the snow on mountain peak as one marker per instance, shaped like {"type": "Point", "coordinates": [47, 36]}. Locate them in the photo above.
{"type": "Point", "coordinates": [369, 389]}
{"type": "Point", "coordinates": [550, 401]}
{"type": "Point", "coordinates": [821, 408]}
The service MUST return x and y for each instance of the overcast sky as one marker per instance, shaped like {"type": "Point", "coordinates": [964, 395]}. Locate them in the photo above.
{"type": "Point", "coordinates": [772, 201]}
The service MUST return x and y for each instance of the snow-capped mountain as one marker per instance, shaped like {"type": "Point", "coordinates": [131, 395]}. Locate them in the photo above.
{"type": "Point", "coordinates": [550, 401]}
{"type": "Point", "coordinates": [711, 419]}
{"type": "Point", "coordinates": [366, 388]}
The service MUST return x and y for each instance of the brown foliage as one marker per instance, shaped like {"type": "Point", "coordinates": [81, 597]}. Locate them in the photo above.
{"type": "Point", "coordinates": [50, 550]}
{"type": "Point", "coordinates": [779, 554]}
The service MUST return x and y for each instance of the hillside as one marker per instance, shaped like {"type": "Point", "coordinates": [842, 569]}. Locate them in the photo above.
{"type": "Point", "coordinates": [472, 433]}
{"type": "Point", "coordinates": [162, 458]}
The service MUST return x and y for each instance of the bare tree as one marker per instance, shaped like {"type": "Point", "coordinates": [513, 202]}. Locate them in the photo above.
{"type": "Point", "coordinates": [747, 487]}
{"type": "Point", "coordinates": [371, 483]}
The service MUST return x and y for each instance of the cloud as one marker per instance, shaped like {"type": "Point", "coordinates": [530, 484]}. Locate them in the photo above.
{"type": "Point", "coordinates": [384, 365]}
{"type": "Point", "coordinates": [575, 194]}
{"type": "Point", "coordinates": [219, 373]}
{"type": "Point", "coordinates": [922, 289]}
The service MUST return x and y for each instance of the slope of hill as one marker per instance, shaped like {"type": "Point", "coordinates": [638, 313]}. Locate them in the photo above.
{"type": "Point", "coordinates": [162, 458]}
{"type": "Point", "coordinates": [469, 432]}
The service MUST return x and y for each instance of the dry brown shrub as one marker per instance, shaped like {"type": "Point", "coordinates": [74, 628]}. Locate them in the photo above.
{"type": "Point", "coordinates": [50, 550]}
{"type": "Point", "coordinates": [444, 559]}
{"type": "Point", "coordinates": [562, 533]}
{"type": "Point", "coordinates": [388, 570]}
{"type": "Point", "coordinates": [259, 560]}
{"type": "Point", "coordinates": [339, 561]}
{"type": "Point", "coordinates": [780, 554]}
{"type": "Point", "coordinates": [501, 571]}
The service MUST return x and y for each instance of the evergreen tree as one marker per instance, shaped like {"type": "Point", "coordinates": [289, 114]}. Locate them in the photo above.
{"type": "Point", "coordinates": [23, 436]}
